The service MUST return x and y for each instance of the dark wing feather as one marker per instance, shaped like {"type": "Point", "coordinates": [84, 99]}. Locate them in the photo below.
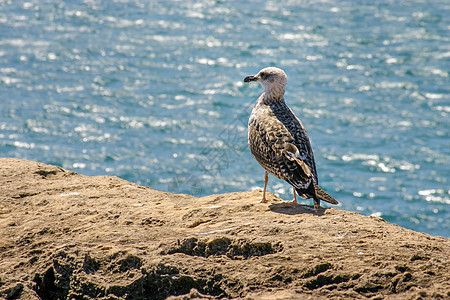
{"type": "Point", "coordinates": [300, 138]}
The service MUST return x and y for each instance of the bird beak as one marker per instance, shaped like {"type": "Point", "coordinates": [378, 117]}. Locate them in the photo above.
{"type": "Point", "coordinates": [250, 78]}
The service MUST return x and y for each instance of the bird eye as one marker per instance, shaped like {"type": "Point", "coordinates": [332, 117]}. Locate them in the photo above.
{"type": "Point", "coordinates": [263, 75]}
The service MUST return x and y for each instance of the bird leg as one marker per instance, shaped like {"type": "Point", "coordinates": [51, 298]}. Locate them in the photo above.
{"type": "Point", "coordinates": [266, 179]}
{"type": "Point", "coordinates": [295, 196]}
{"type": "Point", "coordinates": [316, 204]}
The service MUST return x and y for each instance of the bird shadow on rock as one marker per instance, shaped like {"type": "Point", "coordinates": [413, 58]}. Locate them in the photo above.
{"type": "Point", "coordinates": [295, 209]}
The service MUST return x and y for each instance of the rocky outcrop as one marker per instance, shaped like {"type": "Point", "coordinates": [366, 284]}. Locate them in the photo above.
{"type": "Point", "coordinates": [69, 236]}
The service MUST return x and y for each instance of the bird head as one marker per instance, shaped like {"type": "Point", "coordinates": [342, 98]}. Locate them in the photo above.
{"type": "Point", "coordinates": [272, 79]}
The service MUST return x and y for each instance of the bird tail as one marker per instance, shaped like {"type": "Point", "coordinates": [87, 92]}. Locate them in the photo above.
{"type": "Point", "coordinates": [322, 195]}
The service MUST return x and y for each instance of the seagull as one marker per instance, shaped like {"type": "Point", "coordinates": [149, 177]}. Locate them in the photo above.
{"type": "Point", "coordinates": [279, 142]}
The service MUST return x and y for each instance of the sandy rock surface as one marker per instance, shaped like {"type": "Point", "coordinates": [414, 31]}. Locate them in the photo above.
{"type": "Point", "coordinates": [69, 236]}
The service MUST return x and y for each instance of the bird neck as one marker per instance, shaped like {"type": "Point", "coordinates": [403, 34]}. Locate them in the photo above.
{"type": "Point", "coordinates": [269, 97]}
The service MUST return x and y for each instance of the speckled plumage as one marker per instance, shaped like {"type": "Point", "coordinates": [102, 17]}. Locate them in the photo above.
{"type": "Point", "coordinates": [278, 140]}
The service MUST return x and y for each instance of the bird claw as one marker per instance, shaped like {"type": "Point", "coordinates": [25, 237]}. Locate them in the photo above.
{"type": "Point", "coordinates": [316, 208]}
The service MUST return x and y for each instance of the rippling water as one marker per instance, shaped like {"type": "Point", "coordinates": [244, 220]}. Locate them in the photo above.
{"type": "Point", "coordinates": [153, 93]}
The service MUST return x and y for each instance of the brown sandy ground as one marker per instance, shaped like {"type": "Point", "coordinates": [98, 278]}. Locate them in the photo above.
{"type": "Point", "coordinates": [69, 236]}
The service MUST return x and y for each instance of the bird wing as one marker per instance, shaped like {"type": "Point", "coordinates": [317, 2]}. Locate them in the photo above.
{"type": "Point", "coordinates": [288, 159]}
{"type": "Point", "coordinates": [299, 136]}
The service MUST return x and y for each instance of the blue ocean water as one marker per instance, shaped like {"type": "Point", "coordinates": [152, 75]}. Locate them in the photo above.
{"type": "Point", "coordinates": [152, 92]}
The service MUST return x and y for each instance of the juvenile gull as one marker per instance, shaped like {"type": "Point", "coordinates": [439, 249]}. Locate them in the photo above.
{"type": "Point", "coordinates": [278, 140]}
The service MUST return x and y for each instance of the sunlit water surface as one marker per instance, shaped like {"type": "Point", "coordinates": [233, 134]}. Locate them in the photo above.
{"type": "Point", "coordinates": [152, 92]}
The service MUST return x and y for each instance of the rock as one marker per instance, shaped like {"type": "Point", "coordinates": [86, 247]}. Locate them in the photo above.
{"type": "Point", "coordinates": [69, 236]}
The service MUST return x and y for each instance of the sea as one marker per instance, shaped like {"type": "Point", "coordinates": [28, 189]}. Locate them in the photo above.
{"type": "Point", "coordinates": [153, 92]}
